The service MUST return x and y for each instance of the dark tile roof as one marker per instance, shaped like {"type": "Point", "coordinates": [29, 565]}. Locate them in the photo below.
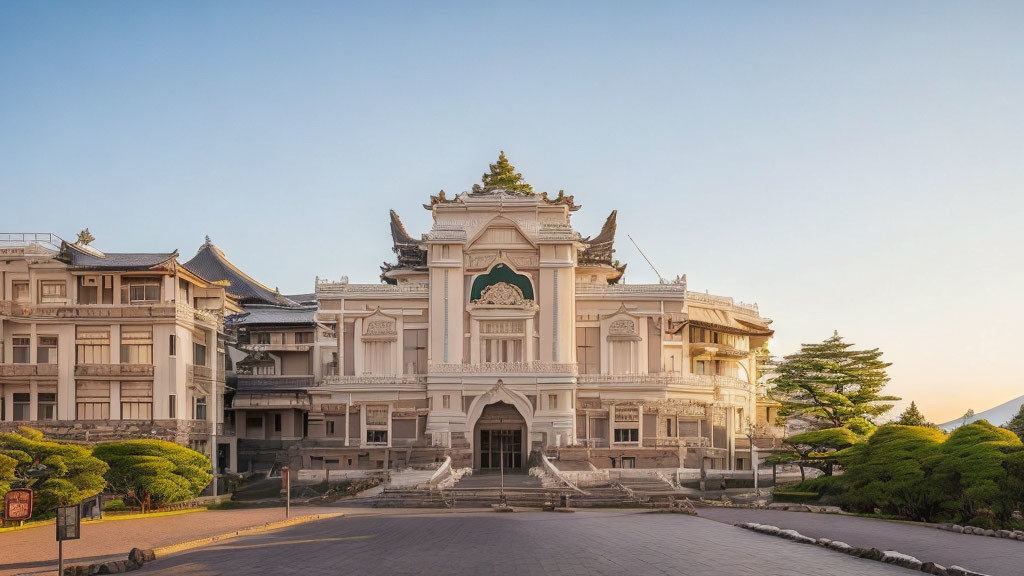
{"type": "Point", "coordinates": [261, 314]}
{"type": "Point", "coordinates": [210, 264]}
{"type": "Point", "coordinates": [86, 258]}
{"type": "Point", "coordinates": [309, 298]}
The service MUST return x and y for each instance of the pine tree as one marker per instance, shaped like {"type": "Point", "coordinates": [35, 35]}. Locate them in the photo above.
{"type": "Point", "coordinates": [913, 417]}
{"type": "Point", "coordinates": [1016, 424]}
{"type": "Point", "coordinates": [503, 176]}
{"type": "Point", "coordinates": [831, 382]}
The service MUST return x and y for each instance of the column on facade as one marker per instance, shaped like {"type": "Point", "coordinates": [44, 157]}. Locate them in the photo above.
{"type": "Point", "coordinates": [730, 435]}
{"type": "Point", "coordinates": [33, 385]}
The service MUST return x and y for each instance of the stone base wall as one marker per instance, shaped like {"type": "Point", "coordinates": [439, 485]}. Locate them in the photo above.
{"type": "Point", "coordinates": [96, 431]}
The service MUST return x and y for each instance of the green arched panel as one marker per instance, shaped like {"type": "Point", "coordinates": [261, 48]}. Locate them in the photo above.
{"type": "Point", "coordinates": [501, 273]}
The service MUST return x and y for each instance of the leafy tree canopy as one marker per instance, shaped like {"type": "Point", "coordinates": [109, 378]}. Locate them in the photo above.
{"type": "Point", "coordinates": [913, 417]}
{"type": "Point", "coordinates": [60, 473]}
{"type": "Point", "coordinates": [832, 383]}
{"type": "Point", "coordinates": [503, 176]}
{"type": "Point", "coordinates": [155, 471]}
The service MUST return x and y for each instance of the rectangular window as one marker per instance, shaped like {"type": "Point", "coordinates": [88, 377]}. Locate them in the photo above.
{"type": "Point", "coordinates": [53, 291]}
{"type": "Point", "coordinates": [136, 400]}
{"type": "Point", "coordinates": [140, 290]}
{"type": "Point", "coordinates": [552, 401]}
{"type": "Point", "coordinates": [629, 461]}
{"type": "Point", "coordinates": [92, 345]}
{"type": "Point", "coordinates": [199, 410]}
{"type": "Point", "coordinates": [376, 436]}
{"type": "Point", "coordinates": [303, 337]}
{"type": "Point", "coordinates": [330, 427]}
{"type": "Point", "coordinates": [92, 400]}
{"type": "Point", "coordinates": [19, 291]}
{"type": "Point", "coordinates": [21, 405]}
{"type": "Point", "coordinates": [261, 338]}
{"type": "Point", "coordinates": [172, 406]}
{"type": "Point", "coordinates": [22, 349]}
{"type": "Point", "coordinates": [277, 422]}
{"type": "Point", "coordinates": [414, 351]}
{"type": "Point", "coordinates": [446, 401]}
{"type": "Point", "coordinates": [46, 406]}
{"type": "Point", "coordinates": [198, 354]}
{"type": "Point", "coordinates": [46, 350]}
{"type": "Point", "coordinates": [700, 367]}
{"type": "Point", "coordinates": [173, 345]}
{"type": "Point", "coordinates": [668, 428]}
{"type": "Point", "coordinates": [588, 350]}
{"type": "Point", "coordinates": [136, 345]}
{"type": "Point", "coordinates": [627, 435]}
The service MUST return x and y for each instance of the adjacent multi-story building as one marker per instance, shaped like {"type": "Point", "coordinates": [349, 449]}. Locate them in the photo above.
{"type": "Point", "coordinates": [98, 346]}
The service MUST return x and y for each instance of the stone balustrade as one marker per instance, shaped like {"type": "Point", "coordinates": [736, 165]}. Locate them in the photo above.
{"type": "Point", "coordinates": [114, 370]}
{"type": "Point", "coordinates": [15, 370]}
{"type": "Point", "coordinates": [506, 368]}
{"type": "Point", "coordinates": [685, 380]}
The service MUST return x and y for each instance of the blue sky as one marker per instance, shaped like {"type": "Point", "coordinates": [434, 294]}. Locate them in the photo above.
{"type": "Point", "coordinates": [854, 166]}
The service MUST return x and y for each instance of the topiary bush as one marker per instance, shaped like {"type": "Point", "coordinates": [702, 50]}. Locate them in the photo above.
{"type": "Point", "coordinates": [154, 472]}
{"type": "Point", "coordinates": [59, 473]}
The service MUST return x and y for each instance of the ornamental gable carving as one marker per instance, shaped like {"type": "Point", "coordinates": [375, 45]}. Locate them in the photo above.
{"type": "Point", "coordinates": [622, 328]}
{"type": "Point", "coordinates": [502, 294]}
{"type": "Point", "coordinates": [381, 328]}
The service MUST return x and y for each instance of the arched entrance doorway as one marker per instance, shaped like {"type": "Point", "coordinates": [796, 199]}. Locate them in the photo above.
{"type": "Point", "coordinates": [499, 438]}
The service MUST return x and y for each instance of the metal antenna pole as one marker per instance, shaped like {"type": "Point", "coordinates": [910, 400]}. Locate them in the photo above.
{"type": "Point", "coordinates": [649, 263]}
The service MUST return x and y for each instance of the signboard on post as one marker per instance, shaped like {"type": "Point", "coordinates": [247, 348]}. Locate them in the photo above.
{"type": "Point", "coordinates": [69, 522]}
{"type": "Point", "coordinates": [18, 504]}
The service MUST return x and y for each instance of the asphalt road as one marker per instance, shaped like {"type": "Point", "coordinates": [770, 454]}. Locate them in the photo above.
{"type": "Point", "coordinates": [995, 556]}
{"type": "Point", "coordinates": [584, 543]}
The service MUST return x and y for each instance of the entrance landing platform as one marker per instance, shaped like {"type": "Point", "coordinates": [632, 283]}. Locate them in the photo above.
{"type": "Point", "coordinates": [479, 480]}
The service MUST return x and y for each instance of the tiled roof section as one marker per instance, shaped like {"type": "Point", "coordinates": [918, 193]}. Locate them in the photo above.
{"type": "Point", "coordinates": [410, 255]}
{"type": "Point", "coordinates": [279, 315]}
{"type": "Point", "coordinates": [210, 264]}
{"type": "Point", "coordinates": [302, 298]}
{"type": "Point", "coordinates": [78, 258]}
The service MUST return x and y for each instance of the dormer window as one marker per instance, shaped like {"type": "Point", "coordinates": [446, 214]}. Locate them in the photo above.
{"type": "Point", "coordinates": [140, 290]}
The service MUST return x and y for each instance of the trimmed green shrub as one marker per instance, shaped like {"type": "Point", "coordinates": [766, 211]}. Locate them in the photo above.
{"type": "Point", "coordinates": [60, 473]}
{"type": "Point", "coordinates": [154, 472]}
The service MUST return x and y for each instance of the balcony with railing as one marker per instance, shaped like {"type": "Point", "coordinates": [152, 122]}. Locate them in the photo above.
{"type": "Point", "coordinates": [28, 370]}
{"type": "Point", "coordinates": [696, 381]}
{"type": "Point", "coordinates": [114, 370]}
{"type": "Point", "coordinates": [74, 311]}
{"type": "Point", "coordinates": [271, 382]}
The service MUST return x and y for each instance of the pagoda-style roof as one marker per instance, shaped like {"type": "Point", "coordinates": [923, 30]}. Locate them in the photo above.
{"type": "Point", "coordinates": [600, 249]}
{"type": "Point", "coordinates": [269, 315]}
{"type": "Point", "coordinates": [212, 265]}
{"type": "Point", "coordinates": [410, 255]}
{"type": "Point", "coordinates": [84, 257]}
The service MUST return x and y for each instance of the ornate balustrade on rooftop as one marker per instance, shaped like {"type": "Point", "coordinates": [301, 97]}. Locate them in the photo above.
{"type": "Point", "coordinates": [725, 301]}
{"type": "Point", "coordinates": [268, 382]}
{"type": "Point", "coordinates": [68, 310]}
{"type": "Point", "coordinates": [369, 380]}
{"type": "Point", "coordinates": [375, 290]}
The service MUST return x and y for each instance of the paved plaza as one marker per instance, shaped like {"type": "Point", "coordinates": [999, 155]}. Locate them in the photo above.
{"type": "Point", "coordinates": [585, 543]}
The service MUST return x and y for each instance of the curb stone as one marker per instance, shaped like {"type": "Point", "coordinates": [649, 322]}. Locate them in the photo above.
{"type": "Point", "coordinates": [137, 558]}
{"type": "Point", "coordinates": [887, 556]}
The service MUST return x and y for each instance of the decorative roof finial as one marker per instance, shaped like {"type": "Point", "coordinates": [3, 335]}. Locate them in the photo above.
{"type": "Point", "coordinates": [503, 176]}
{"type": "Point", "coordinates": [84, 238]}
{"type": "Point", "coordinates": [208, 241]}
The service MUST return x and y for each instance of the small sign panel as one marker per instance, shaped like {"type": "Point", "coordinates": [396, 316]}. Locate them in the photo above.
{"type": "Point", "coordinates": [69, 522]}
{"type": "Point", "coordinates": [18, 504]}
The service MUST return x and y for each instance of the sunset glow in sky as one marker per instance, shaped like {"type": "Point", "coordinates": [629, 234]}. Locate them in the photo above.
{"type": "Point", "coordinates": [854, 167]}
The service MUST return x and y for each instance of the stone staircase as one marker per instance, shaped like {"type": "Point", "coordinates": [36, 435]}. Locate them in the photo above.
{"type": "Point", "coordinates": [409, 478]}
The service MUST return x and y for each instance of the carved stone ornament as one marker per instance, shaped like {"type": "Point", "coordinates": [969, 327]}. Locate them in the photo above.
{"type": "Point", "coordinates": [381, 328]}
{"type": "Point", "coordinates": [622, 328]}
{"type": "Point", "coordinates": [502, 294]}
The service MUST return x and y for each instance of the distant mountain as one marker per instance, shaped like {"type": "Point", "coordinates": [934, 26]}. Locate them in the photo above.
{"type": "Point", "coordinates": [996, 416]}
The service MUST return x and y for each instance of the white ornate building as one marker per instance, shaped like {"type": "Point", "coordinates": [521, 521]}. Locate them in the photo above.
{"type": "Point", "coordinates": [502, 332]}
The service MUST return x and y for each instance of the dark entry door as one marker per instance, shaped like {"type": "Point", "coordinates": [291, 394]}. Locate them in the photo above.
{"type": "Point", "coordinates": [496, 445]}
